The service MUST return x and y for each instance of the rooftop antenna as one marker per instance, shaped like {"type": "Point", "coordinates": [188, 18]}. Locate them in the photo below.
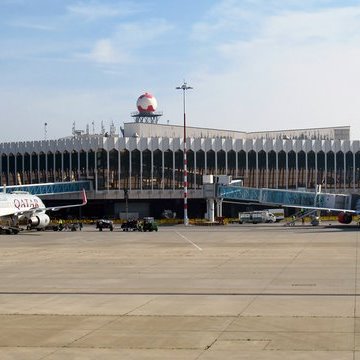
{"type": "Point", "coordinates": [73, 128]}
{"type": "Point", "coordinates": [87, 129]}
{"type": "Point", "coordinates": [112, 129]}
{"type": "Point", "coordinates": [93, 127]}
{"type": "Point", "coordinates": [45, 131]}
{"type": "Point", "coordinates": [102, 128]}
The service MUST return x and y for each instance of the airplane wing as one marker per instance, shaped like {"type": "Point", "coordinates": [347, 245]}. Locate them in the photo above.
{"type": "Point", "coordinates": [56, 208]}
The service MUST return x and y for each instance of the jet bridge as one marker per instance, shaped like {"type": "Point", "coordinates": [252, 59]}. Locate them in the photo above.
{"type": "Point", "coordinates": [283, 197]}
{"type": "Point", "coordinates": [226, 192]}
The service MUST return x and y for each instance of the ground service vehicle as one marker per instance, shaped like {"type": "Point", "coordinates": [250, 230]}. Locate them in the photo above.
{"type": "Point", "coordinates": [256, 217]}
{"type": "Point", "coordinates": [104, 224]}
{"type": "Point", "coordinates": [131, 225]}
{"type": "Point", "coordinates": [149, 224]}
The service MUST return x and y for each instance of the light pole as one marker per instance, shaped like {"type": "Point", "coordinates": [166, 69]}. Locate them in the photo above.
{"type": "Point", "coordinates": [185, 87]}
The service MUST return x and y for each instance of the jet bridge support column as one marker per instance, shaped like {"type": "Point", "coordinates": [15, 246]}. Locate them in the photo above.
{"type": "Point", "coordinates": [210, 207]}
{"type": "Point", "coordinates": [219, 207]}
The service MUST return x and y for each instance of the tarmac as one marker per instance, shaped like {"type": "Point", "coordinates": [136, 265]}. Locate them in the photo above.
{"type": "Point", "coordinates": [227, 292]}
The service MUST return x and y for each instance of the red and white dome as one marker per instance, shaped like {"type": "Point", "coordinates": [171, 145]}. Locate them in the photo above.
{"type": "Point", "coordinates": [146, 103]}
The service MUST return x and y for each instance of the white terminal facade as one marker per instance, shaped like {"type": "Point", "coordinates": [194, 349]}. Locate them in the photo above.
{"type": "Point", "coordinates": [145, 163]}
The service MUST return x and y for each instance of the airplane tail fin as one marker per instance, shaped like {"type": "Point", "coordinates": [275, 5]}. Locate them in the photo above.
{"type": "Point", "coordinates": [84, 197]}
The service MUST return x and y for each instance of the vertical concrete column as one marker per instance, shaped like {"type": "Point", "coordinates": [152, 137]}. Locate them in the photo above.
{"type": "Point", "coordinates": [78, 167]}
{"type": "Point", "coordinates": [195, 170]}
{"type": "Point", "coordinates": [23, 167]}
{"type": "Point", "coordinates": [296, 170]}
{"type": "Point", "coordinates": [119, 169]}
{"type": "Point", "coordinates": [70, 164]}
{"type": "Point", "coordinates": [46, 167]}
{"type": "Point", "coordinates": [87, 164]}
{"type": "Point", "coordinates": [1, 169]}
{"type": "Point", "coordinates": [307, 170]}
{"type": "Point", "coordinates": [277, 169]}
{"type": "Point", "coordinates": [162, 169]}
{"type": "Point", "coordinates": [267, 169]}
{"type": "Point", "coordinates": [344, 171]}
{"type": "Point", "coordinates": [38, 167]}
{"type": "Point", "coordinates": [54, 165]}
{"type": "Point", "coordinates": [335, 171]}
{"type": "Point", "coordinates": [257, 169]}
{"type": "Point", "coordinates": [107, 170]}
{"type": "Point", "coordinates": [286, 170]}
{"type": "Point", "coordinates": [96, 172]}
{"type": "Point", "coordinates": [353, 177]}
{"type": "Point", "coordinates": [152, 169]}
{"type": "Point", "coordinates": [205, 158]}
{"type": "Point", "coordinates": [15, 170]}
{"type": "Point", "coordinates": [236, 164]}
{"type": "Point", "coordinates": [219, 207]}
{"type": "Point", "coordinates": [130, 170]}
{"type": "Point", "coordinates": [31, 167]}
{"type": "Point", "coordinates": [216, 163]}
{"type": "Point", "coordinates": [226, 163]}
{"type": "Point", "coordinates": [326, 174]}
{"type": "Point", "coordinates": [141, 170]}
{"type": "Point", "coordinates": [210, 209]}
{"type": "Point", "coordinates": [173, 167]}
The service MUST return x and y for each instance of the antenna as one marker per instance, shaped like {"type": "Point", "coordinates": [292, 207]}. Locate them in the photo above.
{"type": "Point", "coordinates": [93, 127]}
{"type": "Point", "coordinates": [45, 131]}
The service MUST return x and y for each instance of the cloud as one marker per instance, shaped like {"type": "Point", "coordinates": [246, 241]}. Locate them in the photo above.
{"type": "Point", "coordinates": [31, 25]}
{"type": "Point", "coordinates": [298, 69]}
{"type": "Point", "coordinates": [106, 52]}
{"type": "Point", "coordinates": [92, 10]}
{"type": "Point", "coordinates": [126, 41]}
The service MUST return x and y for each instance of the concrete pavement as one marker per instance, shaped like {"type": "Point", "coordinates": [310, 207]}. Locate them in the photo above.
{"type": "Point", "coordinates": [231, 292]}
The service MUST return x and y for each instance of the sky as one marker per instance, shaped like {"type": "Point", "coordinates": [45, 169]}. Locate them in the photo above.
{"type": "Point", "coordinates": [254, 65]}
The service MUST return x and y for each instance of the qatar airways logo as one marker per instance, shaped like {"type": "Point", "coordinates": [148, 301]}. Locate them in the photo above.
{"type": "Point", "coordinates": [26, 203]}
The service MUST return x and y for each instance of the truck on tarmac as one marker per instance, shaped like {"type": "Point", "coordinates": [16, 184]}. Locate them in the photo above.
{"type": "Point", "coordinates": [256, 217]}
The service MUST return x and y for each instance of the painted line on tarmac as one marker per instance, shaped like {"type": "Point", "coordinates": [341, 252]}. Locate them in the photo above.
{"type": "Point", "coordinates": [188, 240]}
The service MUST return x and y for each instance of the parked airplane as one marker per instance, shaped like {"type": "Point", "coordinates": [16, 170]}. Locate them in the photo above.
{"type": "Point", "coordinates": [23, 206]}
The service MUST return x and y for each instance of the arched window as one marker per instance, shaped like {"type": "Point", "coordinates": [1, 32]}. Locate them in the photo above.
{"type": "Point", "coordinates": [101, 163]}
{"type": "Point", "coordinates": [272, 169]}
{"type": "Point", "coordinates": [179, 167]}
{"type": "Point", "coordinates": [157, 169]}
{"type": "Point", "coordinates": [301, 165]}
{"type": "Point", "coordinates": [190, 168]}
{"type": "Point", "coordinates": [262, 173]}
{"type": "Point", "coordinates": [168, 169]}
{"type": "Point", "coordinates": [146, 169]}
{"type": "Point", "coordinates": [241, 163]}
{"type": "Point", "coordinates": [113, 168]}
{"type": "Point", "coordinates": [340, 167]}
{"type": "Point", "coordinates": [282, 169]}
{"type": "Point", "coordinates": [231, 160]}
{"type": "Point", "coordinates": [210, 162]}
{"type": "Point", "coordinates": [330, 164]}
{"type": "Point", "coordinates": [200, 167]}
{"type": "Point", "coordinates": [349, 170]}
{"type": "Point", "coordinates": [221, 162]}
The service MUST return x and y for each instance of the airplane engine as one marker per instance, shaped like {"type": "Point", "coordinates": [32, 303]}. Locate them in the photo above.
{"type": "Point", "coordinates": [39, 221]}
{"type": "Point", "coordinates": [344, 218]}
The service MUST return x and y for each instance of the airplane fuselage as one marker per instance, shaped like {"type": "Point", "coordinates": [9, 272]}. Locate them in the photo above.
{"type": "Point", "coordinates": [13, 204]}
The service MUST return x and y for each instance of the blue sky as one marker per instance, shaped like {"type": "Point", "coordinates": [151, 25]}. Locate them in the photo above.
{"type": "Point", "coordinates": [254, 64]}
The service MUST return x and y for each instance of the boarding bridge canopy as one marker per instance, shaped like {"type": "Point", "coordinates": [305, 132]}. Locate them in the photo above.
{"type": "Point", "coordinates": [51, 188]}
{"type": "Point", "coordinates": [283, 197]}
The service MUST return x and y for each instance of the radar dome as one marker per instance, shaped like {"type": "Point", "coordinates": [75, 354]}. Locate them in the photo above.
{"type": "Point", "coordinates": [146, 103]}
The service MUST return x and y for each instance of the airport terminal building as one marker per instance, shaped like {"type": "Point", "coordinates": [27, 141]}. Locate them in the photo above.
{"type": "Point", "coordinates": [145, 163]}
